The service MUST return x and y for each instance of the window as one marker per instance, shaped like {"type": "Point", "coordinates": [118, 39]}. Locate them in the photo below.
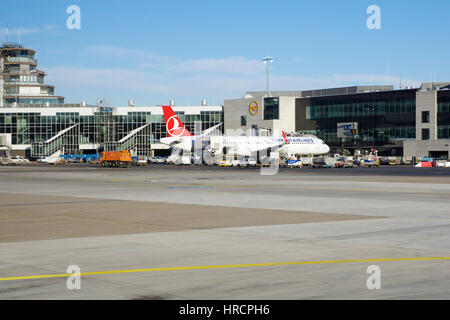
{"type": "Point", "coordinates": [425, 116]}
{"type": "Point", "coordinates": [243, 121]}
{"type": "Point", "coordinates": [425, 134]}
{"type": "Point", "coordinates": [271, 109]}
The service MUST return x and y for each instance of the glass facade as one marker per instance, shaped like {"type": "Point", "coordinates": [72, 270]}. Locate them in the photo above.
{"type": "Point", "coordinates": [382, 117]}
{"type": "Point", "coordinates": [103, 127]}
{"type": "Point", "coordinates": [443, 114]}
{"type": "Point", "coordinates": [425, 116]}
{"type": "Point", "coordinates": [36, 100]}
{"type": "Point", "coordinates": [271, 108]}
{"type": "Point", "coordinates": [243, 121]}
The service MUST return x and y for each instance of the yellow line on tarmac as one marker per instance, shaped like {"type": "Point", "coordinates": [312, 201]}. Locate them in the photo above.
{"type": "Point", "coordinates": [226, 267]}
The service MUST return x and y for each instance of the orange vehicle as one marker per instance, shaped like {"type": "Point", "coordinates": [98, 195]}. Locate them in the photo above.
{"type": "Point", "coordinates": [115, 158]}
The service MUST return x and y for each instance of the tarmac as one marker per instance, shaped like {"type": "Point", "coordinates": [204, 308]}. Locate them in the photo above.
{"type": "Point", "coordinates": [172, 232]}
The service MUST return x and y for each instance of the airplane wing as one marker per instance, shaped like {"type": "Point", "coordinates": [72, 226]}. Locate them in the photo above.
{"type": "Point", "coordinates": [174, 142]}
{"type": "Point", "coordinates": [262, 148]}
{"type": "Point", "coordinates": [170, 141]}
{"type": "Point", "coordinates": [284, 137]}
{"type": "Point", "coordinates": [209, 130]}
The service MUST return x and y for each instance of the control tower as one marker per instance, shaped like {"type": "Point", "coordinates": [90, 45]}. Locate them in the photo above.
{"type": "Point", "coordinates": [20, 80]}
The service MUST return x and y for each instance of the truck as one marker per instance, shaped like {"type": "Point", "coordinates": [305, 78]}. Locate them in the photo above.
{"type": "Point", "coordinates": [115, 158]}
{"type": "Point", "coordinates": [139, 161]}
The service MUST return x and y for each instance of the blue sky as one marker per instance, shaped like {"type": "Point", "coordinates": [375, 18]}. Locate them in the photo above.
{"type": "Point", "coordinates": [155, 51]}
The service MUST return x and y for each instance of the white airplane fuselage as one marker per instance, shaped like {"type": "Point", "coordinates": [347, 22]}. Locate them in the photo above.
{"type": "Point", "coordinates": [246, 145]}
{"type": "Point", "coordinates": [179, 138]}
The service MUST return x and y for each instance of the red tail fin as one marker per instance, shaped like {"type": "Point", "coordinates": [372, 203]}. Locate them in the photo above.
{"type": "Point", "coordinates": [174, 126]}
{"type": "Point", "coordinates": [285, 139]}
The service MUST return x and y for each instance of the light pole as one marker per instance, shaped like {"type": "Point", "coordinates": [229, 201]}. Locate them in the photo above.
{"type": "Point", "coordinates": [267, 61]}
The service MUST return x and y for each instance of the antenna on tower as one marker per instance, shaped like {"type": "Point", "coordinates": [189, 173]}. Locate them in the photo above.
{"type": "Point", "coordinates": [7, 31]}
{"type": "Point", "coordinates": [400, 80]}
{"type": "Point", "coordinates": [19, 36]}
{"type": "Point", "coordinates": [432, 82]}
{"type": "Point", "coordinates": [388, 72]}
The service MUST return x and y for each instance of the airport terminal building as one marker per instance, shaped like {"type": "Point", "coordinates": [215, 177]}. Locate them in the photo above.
{"type": "Point", "coordinates": [410, 122]}
{"type": "Point", "coordinates": [40, 131]}
{"type": "Point", "coordinates": [34, 123]}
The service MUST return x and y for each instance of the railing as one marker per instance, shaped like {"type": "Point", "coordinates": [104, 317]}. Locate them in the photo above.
{"type": "Point", "coordinates": [44, 105]}
{"type": "Point", "coordinates": [21, 59]}
{"type": "Point", "coordinates": [31, 94]}
{"type": "Point", "coordinates": [133, 140]}
{"type": "Point", "coordinates": [16, 71]}
{"type": "Point", "coordinates": [24, 72]}
{"type": "Point", "coordinates": [68, 138]}
{"type": "Point", "coordinates": [129, 144]}
{"type": "Point", "coordinates": [22, 132]}
{"type": "Point", "coordinates": [17, 82]}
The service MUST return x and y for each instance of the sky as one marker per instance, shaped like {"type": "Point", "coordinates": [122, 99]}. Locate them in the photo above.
{"type": "Point", "coordinates": [186, 51]}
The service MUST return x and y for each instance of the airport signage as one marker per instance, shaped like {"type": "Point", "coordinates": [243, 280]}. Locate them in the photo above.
{"type": "Point", "coordinates": [253, 108]}
{"type": "Point", "coordinates": [105, 109]}
{"type": "Point", "coordinates": [347, 129]}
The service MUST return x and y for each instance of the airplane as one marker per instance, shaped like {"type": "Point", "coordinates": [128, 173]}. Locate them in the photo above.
{"type": "Point", "coordinates": [304, 145]}
{"type": "Point", "coordinates": [180, 138]}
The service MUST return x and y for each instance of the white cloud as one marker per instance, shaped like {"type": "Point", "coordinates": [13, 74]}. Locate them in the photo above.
{"type": "Point", "coordinates": [118, 52]}
{"type": "Point", "coordinates": [24, 31]}
{"type": "Point", "coordinates": [149, 60]}
{"type": "Point", "coordinates": [201, 85]}
{"type": "Point", "coordinates": [232, 65]}
{"type": "Point", "coordinates": [107, 78]}
{"type": "Point", "coordinates": [337, 80]}
{"type": "Point", "coordinates": [297, 59]}
{"type": "Point", "coordinates": [156, 75]}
